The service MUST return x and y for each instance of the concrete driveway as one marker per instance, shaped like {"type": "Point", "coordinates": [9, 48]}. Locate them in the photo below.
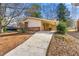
{"type": "Point", "coordinates": [35, 46]}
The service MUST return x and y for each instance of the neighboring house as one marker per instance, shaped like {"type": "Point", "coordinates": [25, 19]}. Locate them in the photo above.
{"type": "Point", "coordinates": [37, 24]}
{"type": "Point", "coordinates": [77, 25]}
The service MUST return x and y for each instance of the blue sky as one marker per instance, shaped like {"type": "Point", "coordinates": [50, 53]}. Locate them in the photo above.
{"type": "Point", "coordinates": [50, 9]}
{"type": "Point", "coordinates": [74, 11]}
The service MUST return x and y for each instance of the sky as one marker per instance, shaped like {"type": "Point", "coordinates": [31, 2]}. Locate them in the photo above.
{"type": "Point", "coordinates": [50, 9]}
{"type": "Point", "coordinates": [74, 11]}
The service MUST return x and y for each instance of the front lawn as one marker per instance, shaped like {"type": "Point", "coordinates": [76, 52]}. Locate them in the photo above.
{"type": "Point", "coordinates": [10, 41]}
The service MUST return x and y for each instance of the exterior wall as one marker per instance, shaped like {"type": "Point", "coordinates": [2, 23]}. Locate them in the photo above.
{"type": "Point", "coordinates": [38, 24]}
{"type": "Point", "coordinates": [34, 28]}
{"type": "Point", "coordinates": [42, 27]}
{"type": "Point", "coordinates": [33, 23]}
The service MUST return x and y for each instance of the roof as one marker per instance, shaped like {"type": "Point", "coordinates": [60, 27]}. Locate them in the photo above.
{"type": "Point", "coordinates": [75, 4]}
{"type": "Point", "coordinates": [40, 19]}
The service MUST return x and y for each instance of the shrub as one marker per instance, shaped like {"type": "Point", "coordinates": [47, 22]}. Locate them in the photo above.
{"type": "Point", "coordinates": [61, 28]}
{"type": "Point", "coordinates": [22, 30]}
{"type": "Point", "coordinates": [5, 29]}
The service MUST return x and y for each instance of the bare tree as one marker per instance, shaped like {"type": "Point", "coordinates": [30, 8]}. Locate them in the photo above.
{"type": "Point", "coordinates": [9, 12]}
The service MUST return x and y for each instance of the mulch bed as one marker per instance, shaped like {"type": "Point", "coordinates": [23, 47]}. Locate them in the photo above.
{"type": "Point", "coordinates": [63, 45]}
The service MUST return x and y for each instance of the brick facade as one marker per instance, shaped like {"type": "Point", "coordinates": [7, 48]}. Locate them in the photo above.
{"type": "Point", "coordinates": [34, 28]}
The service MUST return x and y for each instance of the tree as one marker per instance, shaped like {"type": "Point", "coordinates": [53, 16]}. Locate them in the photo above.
{"type": "Point", "coordinates": [33, 11]}
{"type": "Point", "coordinates": [62, 12]}
{"type": "Point", "coordinates": [48, 10]}
{"type": "Point", "coordinates": [63, 16]}
{"type": "Point", "coordinates": [61, 28]}
{"type": "Point", "coordinates": [7, 17]}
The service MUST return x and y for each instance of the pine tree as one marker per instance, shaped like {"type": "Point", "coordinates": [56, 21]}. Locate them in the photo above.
{"type": "Point", "coordinates": [62, 12]}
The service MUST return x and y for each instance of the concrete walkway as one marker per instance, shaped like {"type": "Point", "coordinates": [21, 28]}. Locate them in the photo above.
{"type": "Point", "coordinates": [35, 46]}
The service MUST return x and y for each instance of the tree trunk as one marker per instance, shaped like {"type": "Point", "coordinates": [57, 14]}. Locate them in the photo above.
{"type": "Point", "coordinates": [0, 27]}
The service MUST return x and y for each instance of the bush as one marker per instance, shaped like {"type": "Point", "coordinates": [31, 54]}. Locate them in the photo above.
{"type": "Point", "coordinates": [22, 30]}
{"type": "Point", "coordinates": [5, 29]}
{"type": "Point", "coordinates": [61, 28]}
